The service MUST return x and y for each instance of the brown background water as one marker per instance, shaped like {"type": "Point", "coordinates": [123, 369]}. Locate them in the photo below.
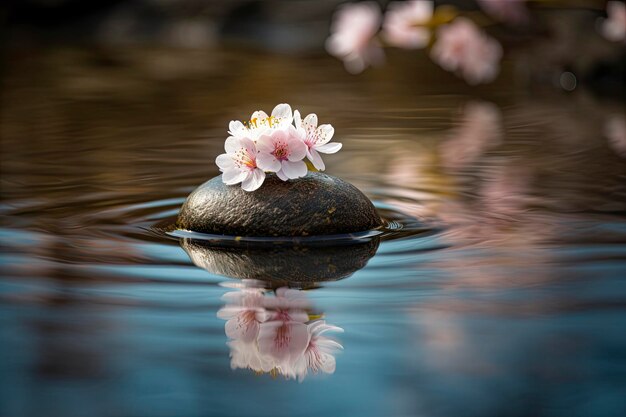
{"type": "Point", "coordinates": [502, 293]}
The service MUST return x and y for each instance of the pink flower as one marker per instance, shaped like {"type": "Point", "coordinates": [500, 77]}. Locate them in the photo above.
{"type": "Point", "coordinates": [284, 342]}
{"type": "Point", "coordinates": [282, 152]}
{"type": "Point", "coordinates": [239, 164]}
{"type": "Point", "coordinates": [244, 313]}
{"type": "Point", "coordinates": [402, 23]}
{"type": "Point", "coordinates": [315, 138]}
{"type": "Point", "coordinates": [462, 48]}
{"type": "Point", "coordinates": [352, 36]}
{"type": "Point", "coordinates": [614, 27]}
{"type": "Point", "coordinates": [284, 336]}
{"type": "Point", "coordinates": [319, 353]}
{"type": "Point", "coordinates": [511, 11]}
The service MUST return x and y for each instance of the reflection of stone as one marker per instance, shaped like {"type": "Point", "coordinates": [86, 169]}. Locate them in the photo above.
{"type": "Point", "coordinates": [291, 263]}
{"type": "Point", "coordinates": [317, 204]}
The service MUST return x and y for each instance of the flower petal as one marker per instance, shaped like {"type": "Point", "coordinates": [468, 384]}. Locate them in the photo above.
{"type": "Point", "coordinates": [265, 144]}
{"type": "Point", "coordinates": [249, 145]}
{"type": "Point", "coordinates": [224, 162]}
{"type": "Point", "coordinates": [284, 341]}
{"type": "Point", "coordinates": [324, 134]}
{"type": "Point", "coordinates": [281, 175]}
{"type": "Point", "coordinates": [297, 120]}
{"type": "Point", "coordinates": [267, 162]}
{"type": "Point", "coordinates": [294, 169]}
{"type": "Point", "coordinates": [236, 128]}
{"type": "Point", "coordinates": [259, 115]}
{"type": "Point", "coordinates": [243, 326]}
{"type": "Point", "coordinates": [327, 363]}
{"type": "Point", "coordinates": [311, 120]}
{"type": "Point", "coordinates": [283, 113]}
{"type": "Point", "coordinates": [228, 312]}
{"type": "Point", "coordinates": [233, 176]}
{"type": "Point", "coordinates": [329, 147]}
{"type": "Point", "coordinates": [316, 159]}
{"type": "Point", "coordinates": [232, 144]}
{"type": "Point", "coordinates": [254, 181]}
{"type": "Point", "coordinates": [297, 149]}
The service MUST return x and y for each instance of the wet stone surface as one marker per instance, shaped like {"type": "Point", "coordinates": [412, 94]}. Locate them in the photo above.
{"type": "Point", "coordinates": [317, 204]}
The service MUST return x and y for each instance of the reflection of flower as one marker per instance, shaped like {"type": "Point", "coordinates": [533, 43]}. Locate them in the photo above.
{"type": "Point", "coordinates": [244, 313]}
{"type": "Point", "coordinates": [352, 33]}
{"type": "Point", "coordinates": [461, 47]}
{"type": "Point", "coordinates": [283, 153]}
{"type": "Point", "coordinates": [247, 356]}
{"type": "Point", "coordinates": [615, 131]}
{"type": "Point", "coordinates": [318, 355]}
{"type": "Point", "coordinates": [614, 27]}
{"type": "Point", "coordinates": [480, 129]}
{"type": "Point", "coordinates": [275, 334]}
{"type": "Point", "coordinates": [401, 26]}
{"type": "Point", "coordinates": [260, 123]}
{"type": "Point", "coordinates": [316, 138]}
{"type": "Point", "coordinates": [511, 11]}
{"type": "Point", "coordinates": [239, 164]}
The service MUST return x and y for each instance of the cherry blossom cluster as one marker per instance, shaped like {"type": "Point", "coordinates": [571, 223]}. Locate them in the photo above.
{"type": "Point", "coordinates": [271, 332]}
{"type": "Point", "coordinates": [460, 46]}
{"type": "Point", "coordinates": [276, 143]}
{"type": "Point", "coordinates": [359, 32]}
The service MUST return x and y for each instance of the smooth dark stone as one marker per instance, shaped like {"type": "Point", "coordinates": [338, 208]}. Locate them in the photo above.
{"type": "Point", "coordinates": [317, 204]}
{"type": "Point", "coordinates": [282, 264]}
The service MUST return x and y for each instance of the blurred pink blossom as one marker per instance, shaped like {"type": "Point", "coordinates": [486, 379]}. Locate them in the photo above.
{"type": "Point", "coordinates": [352, 36]}
{"type": "Point", "coordinates": [402, 28]}
{"type": "Point", "coordinates": [614, 27]}
{"type": "Point", "coordinates": [479, 130]}
{"type": "Point", "coordinates": [510, 11]}
{"type": "Point", "coordinates": [461, 47]}
{"type": "Point", "coordinates": [615, 131]}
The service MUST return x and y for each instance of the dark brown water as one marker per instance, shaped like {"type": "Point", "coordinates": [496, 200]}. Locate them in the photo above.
{"type": "Point", "coordinates": [498, 289]}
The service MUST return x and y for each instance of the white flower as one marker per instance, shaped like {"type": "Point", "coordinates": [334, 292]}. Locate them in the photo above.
{"type": "Point", "coordinates": [262, 124]}
{"type": "Point", "coordinates": [315, 138]}
{"type": "Point", "coordinates": [239, 164]}
{"type": "Point", "coordinates": [282, 152]}
{"type": "Point", "coordinates": [614, 27]}
{"type": "Point", "coordinates": [404, 23]}
{"type": "Point", "coordinates": [352, 36]}
{"type": "Point", "coordinates": [319, 353]}
{"type": "Point", "coordinates": [463, 48]}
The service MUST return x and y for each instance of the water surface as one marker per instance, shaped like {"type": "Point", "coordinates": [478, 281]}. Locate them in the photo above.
{"type": "Point", "coordinates": [497, 290]}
